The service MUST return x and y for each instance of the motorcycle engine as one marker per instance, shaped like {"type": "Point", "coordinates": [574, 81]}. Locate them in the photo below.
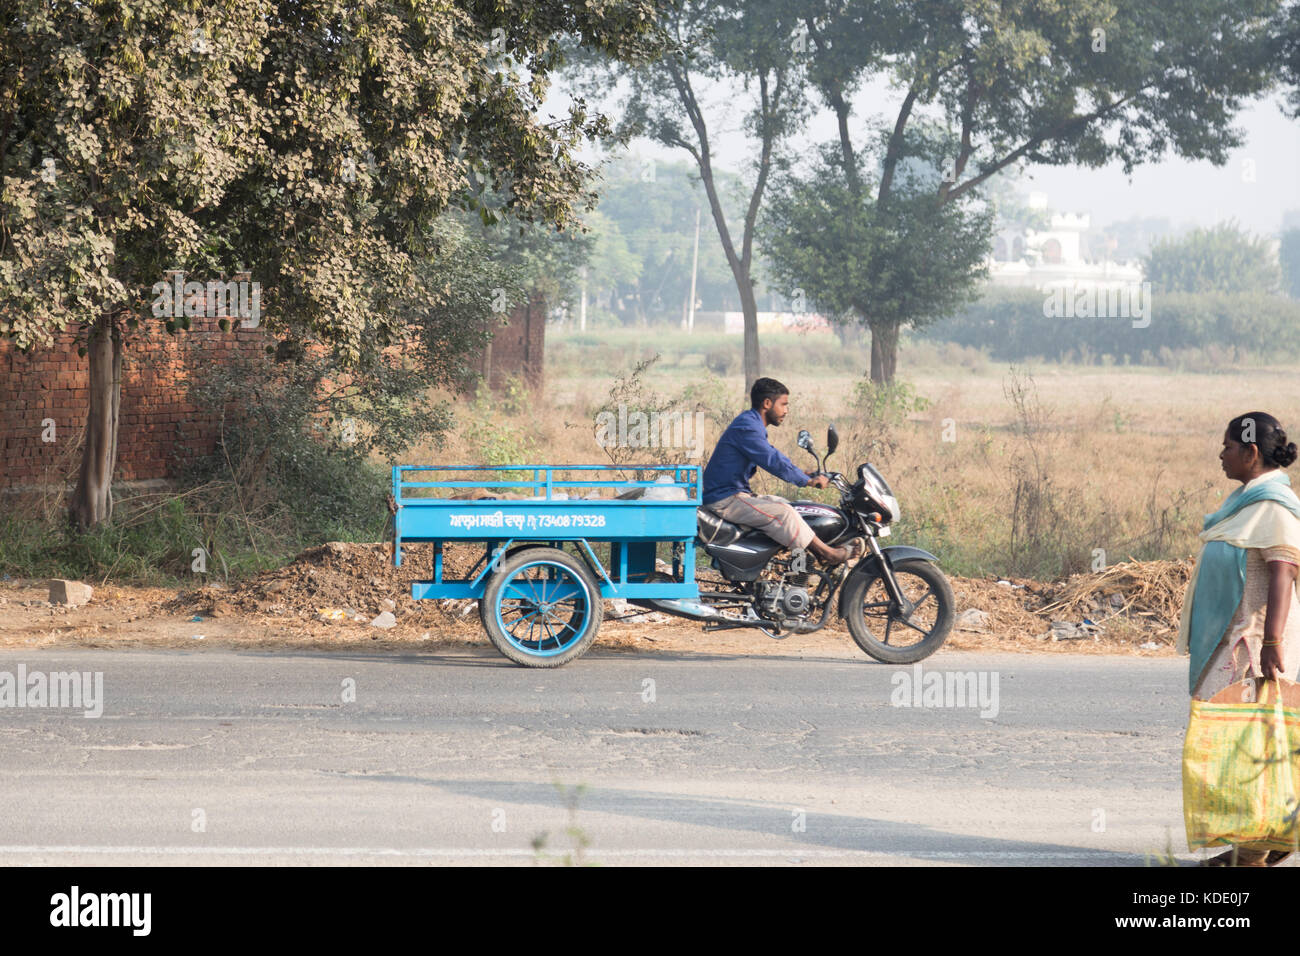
{"type": "Point", "coordinates": [780, 600]}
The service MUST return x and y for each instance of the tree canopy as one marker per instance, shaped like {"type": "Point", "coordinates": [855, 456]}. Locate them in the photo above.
{"type": "Point", "coordinates": [311, 144]}
{"type": "Point", "coordinates": [1034, 82]}
{"type": "Point", "coordinates": [908, 260]}
{"type": "Point", "coordinates": [1221, 258]}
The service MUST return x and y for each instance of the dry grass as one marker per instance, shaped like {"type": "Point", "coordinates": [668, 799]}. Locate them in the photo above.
{"type": "Point", "coordinates": [1044, 471]}
{"type": "Point", "coordinates": [1150, 589]}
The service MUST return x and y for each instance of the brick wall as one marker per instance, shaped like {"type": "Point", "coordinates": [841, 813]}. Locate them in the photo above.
{"type": "Point", "coordinates": [53, 384]}
{"type": "Point", "coordinates": [154, 416]}
{"type": "Point", "coordinates": [518, 349]}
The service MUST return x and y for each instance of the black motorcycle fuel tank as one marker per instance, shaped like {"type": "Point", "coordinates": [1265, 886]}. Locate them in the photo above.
{"type": "Point", "coordinates": [827, 523]}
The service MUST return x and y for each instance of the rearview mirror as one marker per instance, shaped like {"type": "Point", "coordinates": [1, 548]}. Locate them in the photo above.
{"type": "Point", "coordinates": [805, 439]}
{"type": "Point", "coordinates": [832, 439]}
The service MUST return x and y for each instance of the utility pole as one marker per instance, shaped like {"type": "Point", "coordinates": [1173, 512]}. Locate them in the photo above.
{"type": "Point", "coordinates": [695, 263]}
{"type": "Point", "coordinates": [582, 301]}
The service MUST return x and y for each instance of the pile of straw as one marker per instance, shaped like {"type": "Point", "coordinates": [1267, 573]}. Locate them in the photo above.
{"type": "Point", "coordinates": [1134, 589]}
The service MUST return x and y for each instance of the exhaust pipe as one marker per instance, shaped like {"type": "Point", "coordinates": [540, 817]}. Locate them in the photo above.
{"type": "Point", "coordinates": [682, 607]}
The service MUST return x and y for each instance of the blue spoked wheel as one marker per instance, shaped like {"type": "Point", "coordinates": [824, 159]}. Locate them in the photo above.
{"type": "Point", "coordinates": [542, 607]}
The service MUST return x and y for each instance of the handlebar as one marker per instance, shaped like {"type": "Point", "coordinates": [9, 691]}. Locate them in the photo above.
{"type": "Point", "coordinates": [836, 479]}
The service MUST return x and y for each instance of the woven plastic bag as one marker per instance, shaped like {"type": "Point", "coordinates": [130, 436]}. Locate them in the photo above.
{"type": "Point", "coordinates": [1241, 767]}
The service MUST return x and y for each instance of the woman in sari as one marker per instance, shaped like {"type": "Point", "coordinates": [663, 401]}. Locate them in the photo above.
{"type": "Point", "coordinates": [1238, 617]}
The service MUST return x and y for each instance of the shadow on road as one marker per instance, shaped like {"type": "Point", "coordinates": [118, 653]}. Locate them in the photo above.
{"type": "Point", "coordinates": [888, 838]}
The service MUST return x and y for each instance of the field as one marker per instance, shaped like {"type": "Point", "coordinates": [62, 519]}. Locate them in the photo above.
{"type": "Point", "coordinates": [1050, 493]}
{"type": "Point", "coordinates": [1040, 471]}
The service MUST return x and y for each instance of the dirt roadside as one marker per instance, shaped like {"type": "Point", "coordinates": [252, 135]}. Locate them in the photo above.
{"type": "Point", "coordinates": [1133, 606]}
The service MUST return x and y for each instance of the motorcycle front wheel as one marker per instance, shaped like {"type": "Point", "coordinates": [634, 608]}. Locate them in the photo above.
{"type": "Point", "coordinates": [877, 623]}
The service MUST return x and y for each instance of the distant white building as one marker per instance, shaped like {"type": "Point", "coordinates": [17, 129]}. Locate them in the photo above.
{"type": "Point", "coordinates": [1053, 258]}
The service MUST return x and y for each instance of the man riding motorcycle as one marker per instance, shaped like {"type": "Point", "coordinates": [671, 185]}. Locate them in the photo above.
{"type": "Point", "coordinates": [741, 451]}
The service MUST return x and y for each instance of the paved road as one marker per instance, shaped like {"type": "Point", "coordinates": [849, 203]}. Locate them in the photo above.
{"type": "Point", "coordinates": [224, 757]}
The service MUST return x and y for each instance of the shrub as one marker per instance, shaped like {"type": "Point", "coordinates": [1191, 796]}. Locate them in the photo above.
{"type": "Point", "coordinates": [720, 361]}
{"type": "Point", "coordinates": [288, 470]}
{"type": "Point", "coordinates": [879, 412]}
{"type": "Point", "coordinates": [1011, 325]}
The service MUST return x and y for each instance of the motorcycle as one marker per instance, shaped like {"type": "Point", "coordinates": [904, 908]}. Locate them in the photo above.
{"type": "Point", "coordinates": [896, 602]}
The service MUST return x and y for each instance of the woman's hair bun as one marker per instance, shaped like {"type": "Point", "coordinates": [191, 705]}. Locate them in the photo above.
{"type": "Point", "coordinates": [1267, 435]}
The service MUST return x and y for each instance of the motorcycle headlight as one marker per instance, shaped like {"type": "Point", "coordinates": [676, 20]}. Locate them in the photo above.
{"type": "Point", "coordinates": [877, 489]}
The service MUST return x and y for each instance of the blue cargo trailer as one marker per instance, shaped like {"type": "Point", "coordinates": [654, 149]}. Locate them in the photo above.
{"type": "Point", "coordinates": [541, 579]}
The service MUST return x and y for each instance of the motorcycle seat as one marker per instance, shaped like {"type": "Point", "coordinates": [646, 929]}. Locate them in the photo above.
{"type": "Point", "coordinates": [714, 530]}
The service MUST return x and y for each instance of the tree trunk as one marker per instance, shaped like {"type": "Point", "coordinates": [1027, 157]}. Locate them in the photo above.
{"type": "Point", "coordinates": [849, 334]}
{"type": "Point", "coordinates": [884, 352]}
{"type": "Point", "coordinates": [92, 500]}
{"type": "Point", "coordinates": [749, 306]}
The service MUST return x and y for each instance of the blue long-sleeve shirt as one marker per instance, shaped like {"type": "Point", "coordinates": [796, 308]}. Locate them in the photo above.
{"type": "Point", "coordinates": [742, 450]}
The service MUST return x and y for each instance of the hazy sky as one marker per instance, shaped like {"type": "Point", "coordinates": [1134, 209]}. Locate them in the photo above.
{"type": "Point", "coordinates": [1186, 192]}
{"type": "Point", "coordinates": [1199, 192]}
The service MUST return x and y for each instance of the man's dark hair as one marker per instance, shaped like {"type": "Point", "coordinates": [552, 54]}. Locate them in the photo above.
{"type": "Point", "coordinates": [765, 388]}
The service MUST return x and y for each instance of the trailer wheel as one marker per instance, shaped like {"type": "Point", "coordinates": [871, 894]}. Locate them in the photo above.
{"type": "Point", "coordinates": [542, 607]}
{"type": "Point", "coordinates": [485, 610]}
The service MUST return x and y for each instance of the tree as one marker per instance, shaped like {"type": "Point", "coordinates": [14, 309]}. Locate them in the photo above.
{"type": "Point", "coordinates": [1130, 239]}
{"type": "Point", "coordinates": [1289, 258]}
{"type": "Point", "coordinates": [1222, 258]}
{"type": "Point", "coordinates": [909, 260]}
{"type": "Point", "coordinates": [1286, 53]}
{"type": "Point", "coordinates": [727, 45]}
{"type": "Point", "coordinates": [541, 260]}
{"type": "Point", "coordinates": [1285, 50]}
{"type": "Point", "coordinates": [1036, 81]}
{"type": "Point", "coordinates": [611, 263]}
{"type": "Point", "coordinates": [297, 435]}
{"type": "Point", "coordinates": [653, 218]}
{"type": "Point", "coordinates": [308, 144]}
